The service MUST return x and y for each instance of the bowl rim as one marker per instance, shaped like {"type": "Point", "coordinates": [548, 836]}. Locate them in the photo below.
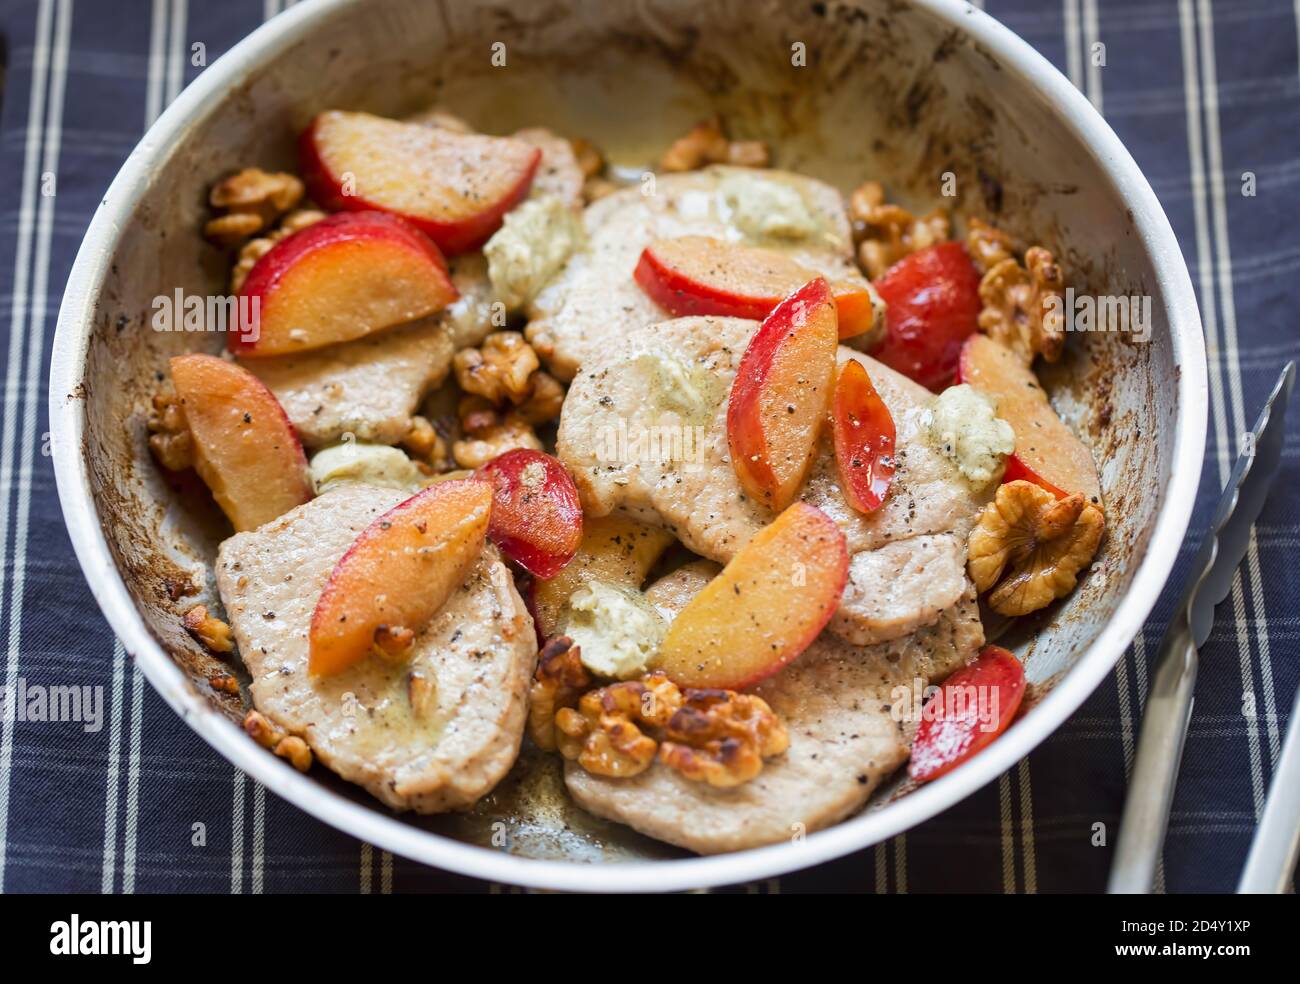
{"type": "Point", "coordinates": [373, 824]}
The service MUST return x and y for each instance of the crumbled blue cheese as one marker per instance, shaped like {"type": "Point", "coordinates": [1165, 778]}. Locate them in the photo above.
{"type": "Point", "coordinates": [533, 244]}
{"type": "Point", "coordinates": [373, 464]}
{"type": "Point", "coordinates": [964, 426]}
{"type": "Point", "coordinates": [764, 208]}
{"type": "Point", "coordinates": [616, 628]}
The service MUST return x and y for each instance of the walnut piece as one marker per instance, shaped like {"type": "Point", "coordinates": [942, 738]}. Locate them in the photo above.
{"type": "Point", "coordinates": [721, 737]}
{"type": "Point", "coordinates": [251, 200]}
{"type": "Point", "coordinates": [233, 229]}
{"type": "Point", "coordinates": [493, 440]}
{"type": "Point", "coordinates": [422, 693]}
{"type": "Point", "coordinates": [705, 143]}
{"type": "Point", "coordinates": [888, 232]}
{"type": "Point", "coordinates": [296, 751]}
{"type": "Point", "coordinates": [224, 683]}
{"type": "Point", "coordinates": [287, 746]}
{"type": "Point", "coordinates": [544, 402]}
{"type": "Point", "coordinates": [604, 733]}
{"type": "Point", "coordinates": [169, 434]}
{"type": "Point", "coordinates": [1039, 542]}
{"type": "Point", "coordinates": [393, 643]}
{"type": "Point", "coordinates": [558, 682]}
{"type": "Point", "coordinates": [590, 160]}
{"type": "Point", "coordinates": [426, 445]}
{"type": "Point", "coordinates": [212, 632]}
{"type": "Point", "coordinates": [1018, 311]}
{"type": "Point", "coordinates": [987, 246]}
{"type": "Point", "coordinates": [255, 249]}
{"type": "Point", "coordinates": [500, 370]}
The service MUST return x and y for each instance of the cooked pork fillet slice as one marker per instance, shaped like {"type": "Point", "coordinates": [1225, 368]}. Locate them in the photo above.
{"type": "Point", "coordinates": [370, 387]}
{"type": "Point", "coordinates": [835, 702]}
{"type": "Point", "coordinates": [900, 587]}
{"type": "Point", "coordinates": [370, 724]}
{"type": "Point", "coordinates": [585, 311]}
{"type": "Point", "coordinates": [558, 172]}
{"type": "Point", "coordinates": [691, 488]}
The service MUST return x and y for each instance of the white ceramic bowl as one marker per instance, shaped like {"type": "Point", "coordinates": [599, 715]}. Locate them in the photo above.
{"type": "Point", "coordinates": [905, 91]}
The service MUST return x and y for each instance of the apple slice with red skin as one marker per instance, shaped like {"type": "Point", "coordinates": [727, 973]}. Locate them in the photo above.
{"type": "Point", "coordinates": [951, 729]}
{"type": "Point", "coordinates": [699, 275]}
{"type": "Point", "coordinates": [453, 187]}
{"type": "Point", "coordinates": [1047, 452]}
{"type": "Point", "coordinates": [245, 449]}
{"type": "Point", "coordinates": [536, 515]}
{"type": "Point", "coordinates": [932, 305]}
{"type": "Point", "coordinates": [399, 572]}
{"type": "Point", "coordinates": [864, 435]}
{"type": "Point", "coordinates": [765, 607]}
{"type": "Point", "coordinates": [781, 395]}
{"type": "Point", "coordinates": [349, 275]}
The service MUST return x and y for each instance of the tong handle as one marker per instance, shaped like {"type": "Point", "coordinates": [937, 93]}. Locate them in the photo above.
{"type": "Point", "coordinates": [1155, 765]}
{"type": "Point", "coordinates": [1271, 863]}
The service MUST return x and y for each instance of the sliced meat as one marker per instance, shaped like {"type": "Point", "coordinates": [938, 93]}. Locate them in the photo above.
{"type": "Point", "coordinates": [441, 752]}
{"type": "Point", "coordinates": [900, 587]}
{"type": "Point", "coordinates": [371, 386]}
{"type": "Point", "coordinates": [558, 172]}
{"type": "Point", "coordinates": [836, 703]}
{"type": "Point", "coordinates": [584, 312]}
{"type": "Point", "coordinates": [691, 488]}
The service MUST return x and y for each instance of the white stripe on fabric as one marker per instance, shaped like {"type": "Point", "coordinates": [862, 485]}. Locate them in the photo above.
{"type": "Point", "coordinates": [1027, 828]}
{"type": "Point", "coordinates": [1008, 840]}
{"type": "Point", "coordinates": [153, 103]}
{"type": "Point", "coordinates": [366, 863]}
{"type": "Point", "coordinates": [900, 864]}
{"type": "Point", "coordinates": [114, 767]}
{"type": "Point", "coordinates": [1073, 43]}
{"type": "Point", "coordinates": [237, 835]}
{"type": "Point", "coordinates": [1092, 36]}
{"type": "Point", "coordinates": [385, 873]}
{"type": "Point", "coordinates": [34, 336]}
{"type": "Point", "coordinates": [881, 852]}
{"type": "Point", "coordinates": [133, 782]}
{"type": "Point", "coordinates": [1227, 299]}
{"type": "Point", "coordinates": [1211, 145]}
{"type": "Point", "coordinates": [259, 836]}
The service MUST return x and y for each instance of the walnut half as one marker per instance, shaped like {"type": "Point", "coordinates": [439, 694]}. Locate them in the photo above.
{"type": "Point", "coordinates": [888, 232]}
{"type": "Point", "coordinates": [721, 737]}
{"type": "Point", "coordinates": [705, 143]}
{"type": "Point", "coordinates": [1018, 308]}
{"type": "Point", "coordinates": [559, 680]}
{"type": "Point", "coordinates": [1028, 547]}
{"type": "Point", "coordinates": [169, 434]}
{"type": "Point", "coordinates": [212, 632]}
{"type": "Point", "coordinates": [251, 200]}
{"type": "Point", "coordinates": [604, 733]}
{"type": "Point", "coordinates": [500, 370]}
{"type": "Point", "coordinates": [290, 747]}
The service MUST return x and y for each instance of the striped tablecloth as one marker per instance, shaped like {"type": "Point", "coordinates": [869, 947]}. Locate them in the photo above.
{"type": "Point", "coordinates": [1207, 98]}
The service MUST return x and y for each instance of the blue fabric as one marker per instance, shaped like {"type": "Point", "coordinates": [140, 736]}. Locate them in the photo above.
{"type": "Point", "coordinates": [116, 810]}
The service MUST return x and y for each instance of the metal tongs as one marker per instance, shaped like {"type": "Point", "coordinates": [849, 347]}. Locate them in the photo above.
{"type": "Point", "coordinates": [1169, 704]}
